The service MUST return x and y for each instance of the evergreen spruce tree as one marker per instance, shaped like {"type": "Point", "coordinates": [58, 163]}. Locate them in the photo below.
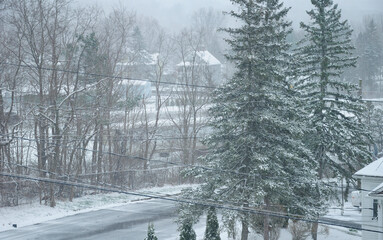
{"type": "Point", "coordinates": [338, 140]}
{"type": "Point", "coordinates": [187, 232]}
{"type": "Point", "coordinates": [374, 121]}
{"type": "Point", "coordinates": [370, 51]}
{"type": "Point", "coordinates": [212, 226]}
{"type": "Point", "coordinates": [257, 156]}
{"type": "Point", "coordinates": [151, 234]}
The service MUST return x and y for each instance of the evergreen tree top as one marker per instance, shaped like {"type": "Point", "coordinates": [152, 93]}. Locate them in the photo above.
{"type": "Point", "coordinates": [187, 232]}
{"type": "Point", "coordinates": [326, 51]}
{"type": "Point", "coordinates": [259, 46]}
{"type": "Point", "coordinates": [327, 23]}
{"type": "Point", "coordinates": [339, 139]}
{"type": "Point", "coordinates": [151, 235]}
{"type": "Point", "coordinates": [212, 226]}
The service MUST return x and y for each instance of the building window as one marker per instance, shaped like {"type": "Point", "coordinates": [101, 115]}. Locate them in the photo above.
{"type": "Point", "coordinates": [375, 210]}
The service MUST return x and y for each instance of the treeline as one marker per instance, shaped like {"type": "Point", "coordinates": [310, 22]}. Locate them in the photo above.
{"type": "Point", "coordinates": [100, 98]}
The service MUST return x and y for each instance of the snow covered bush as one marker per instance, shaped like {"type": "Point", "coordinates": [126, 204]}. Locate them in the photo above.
{"type": "Point", "coordinates": [187, 232]}
{"type": "Point", "coordinates": [212, 226]}
{"type": "Point", "coordinates": [151, 234]}
{"type": "Point", "coordinates": [299, 230]}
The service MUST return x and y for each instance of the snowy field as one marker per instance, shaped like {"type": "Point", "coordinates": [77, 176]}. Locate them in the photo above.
{"type": "Point", "coordinates": [25, 215]}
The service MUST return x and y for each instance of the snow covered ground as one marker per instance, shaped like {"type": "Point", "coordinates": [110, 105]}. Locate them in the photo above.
{"type": "Point", "coordinates": [324, 233]}
{"type": "Point", "coordinates": [29, 214]}
{"type": "Point", "coordinates": [350, 213]}
{"type": "Point", "coordinates": [35, 213]}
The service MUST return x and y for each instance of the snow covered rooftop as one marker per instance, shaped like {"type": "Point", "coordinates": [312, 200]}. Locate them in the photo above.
{"type": "Point", "coordinates": [133, 82]}
{"type": "Point", "coordinates": [377, 192]}
{"type": "Point", "coordinates": [153, 58]}
{"type": "Point", "coordinates": [374, 169]}
{"type": "Point", "coordinates": [373, 99]}
{"type": "Point", "coordinates": [205, 56]}
{"type": "Point", "coordinates": [150, 59]}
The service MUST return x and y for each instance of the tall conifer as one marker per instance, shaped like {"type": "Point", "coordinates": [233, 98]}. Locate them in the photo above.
{"type": "Point", "coordinates": [212, 226]}
{"type": "Point", "coordinates": [151, 235]}
{"type": "Point", "coordinates": [257, 155]}
{"type": "Point", "coordinates": [338, 138]}
{"type": "Point", "coordinates": [186, 231]}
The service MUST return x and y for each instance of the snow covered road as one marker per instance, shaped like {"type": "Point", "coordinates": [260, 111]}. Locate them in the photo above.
{"type": "Point", "coordinates": [129, 221]}
{"type": "Point", "coordinates": [124, 222]}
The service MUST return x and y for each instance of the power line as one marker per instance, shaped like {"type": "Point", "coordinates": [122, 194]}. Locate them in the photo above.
{"type": "Point", "coordinates": [148, 160]}
{"type": "Point", "coordinates": [198, 202]}
{"type": "Point", "coordinates": [67, 176]}
{"type": "Point", "coordinates": [64, 176]}
{"type": "Point", "coordinates": [107, 76]}
{"type": "Point", "coordinates": [194, 166]}
{"type": "Point", "coordinates": [117, 138]}
{"type": "Point", "coordinates": [191, 166]}
{"type": "Point", "coordinates": [135, 79]}
{"type": "Point", "coordinates": [72, 176]}
{"type": "Point", "coordinates": [181, 165]}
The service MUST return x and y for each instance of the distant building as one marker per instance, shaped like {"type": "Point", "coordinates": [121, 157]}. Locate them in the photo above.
{"type": "Point", "coordinates": [135, 88]}
{"type": "Point", "coordinates": [377, 196]}
{"type": "Point", "coordinates": [140, 65]}
{"type": "Point", "coordinates": [207, 67]}
{"type": "Point", "coordinates": [371, 178]}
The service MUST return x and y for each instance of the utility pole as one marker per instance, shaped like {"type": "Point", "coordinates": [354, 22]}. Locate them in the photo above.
{"type": "Point", "coordinates": [342, 207]}
{"type": "Point", "coordinates": [360, 89]}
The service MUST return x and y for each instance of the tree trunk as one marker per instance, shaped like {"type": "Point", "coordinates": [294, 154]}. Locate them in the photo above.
{"type": "Point", "coordinates": [94, 157]}
{"type": "Point", "coordinates": [245, 230]}
{"type": "Point", "coordinates": [266, 232]}
{"type": "Point", "coordinates": [314, 231]}
{"type": "Point", "coordinates": [52, 201]}
{"type": "Point", "coordinates": [100, 154]}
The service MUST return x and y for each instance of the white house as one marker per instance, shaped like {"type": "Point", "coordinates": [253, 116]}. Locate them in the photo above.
{"type": "Point", "coordinates": [135, 88]}
{"type": "Point", "coordinates": [371, 178]}
{"type": "Point", "coordinates": [377, 196]}
{"type": "Point", "coordinates": [138, 65]}
{"type": "Point", "coordinates": [208, 66]}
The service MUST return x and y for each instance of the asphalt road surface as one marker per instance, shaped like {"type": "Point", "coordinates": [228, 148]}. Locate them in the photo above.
{"type": "Point", "coordinates": [129, 222]}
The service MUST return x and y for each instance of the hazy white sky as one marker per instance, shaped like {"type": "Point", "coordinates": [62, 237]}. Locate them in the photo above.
{"type": "Point", "coordinates": [177, 13]}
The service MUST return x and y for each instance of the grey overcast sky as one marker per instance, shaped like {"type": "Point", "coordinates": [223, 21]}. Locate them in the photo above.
{"type": "Point", "coordinates": [177, 13]}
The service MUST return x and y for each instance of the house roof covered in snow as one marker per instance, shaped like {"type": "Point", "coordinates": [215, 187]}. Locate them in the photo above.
{"type": "Point", "coordinates": [208, 58]}
{"type": "Point", "coordinates": [374, 169]}
{"type": "Point", "coordinates": [133, 82]}
{"type": "Point", "coordinates": [145, 59]}
{"type": "Point", "coordinates": [205, 57]}
{"type": "Point", "coordinates": [377, 192]}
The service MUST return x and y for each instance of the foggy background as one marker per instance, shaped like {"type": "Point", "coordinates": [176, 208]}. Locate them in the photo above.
{"type": "Point", "coordinates": [176, 14]}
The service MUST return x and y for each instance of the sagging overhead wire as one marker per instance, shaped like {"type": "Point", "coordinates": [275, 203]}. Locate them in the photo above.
{"type": "Point", "coordinates": [107, 76]}
{"type": "Point", "coordinates": [178, 164]}
{"type": "Point", "coordinates": [68, 177]}
{"type": "Point", "coordinates": [199, 202]}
